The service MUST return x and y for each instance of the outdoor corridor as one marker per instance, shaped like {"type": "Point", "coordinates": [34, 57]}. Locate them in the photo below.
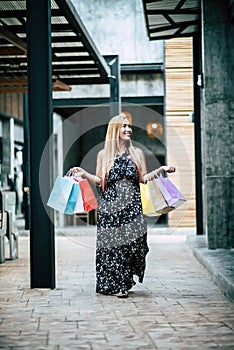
{"type": "Point", "coordinates": [177, 307]}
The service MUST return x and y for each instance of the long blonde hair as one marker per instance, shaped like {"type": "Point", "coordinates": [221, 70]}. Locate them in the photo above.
{"type": "Point", "coordinates": [112, 147]}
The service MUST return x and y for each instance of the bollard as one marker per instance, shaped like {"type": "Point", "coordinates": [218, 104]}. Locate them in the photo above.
{"type": "Point", "coordinates": [8, 208]}
{"type": "Point", "coordinates": [3, 229]}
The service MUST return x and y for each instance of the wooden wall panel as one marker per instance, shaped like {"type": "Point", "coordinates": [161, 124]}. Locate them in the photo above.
{"type": "Point", "coordinates": [180, 130]}
{"type": "Point", "coordinates": [12, 104]}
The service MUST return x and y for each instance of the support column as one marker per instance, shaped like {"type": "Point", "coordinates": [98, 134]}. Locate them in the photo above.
{"type": "Point", "coordinates": [217, 123]}
{"type": "Point", "coordinates": [40, 119]}
{"type": "Point", "coordinates": [113, 62]}
{"type": "Point", "coordinates": [26, 163]}
{"type": "Point", "coordinates": [197, 132]}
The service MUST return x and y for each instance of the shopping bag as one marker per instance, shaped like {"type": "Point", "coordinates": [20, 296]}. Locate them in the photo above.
{"type": "Point", "coordinates": [159, 202]}
{"type": "Point", "coordinates": [72, 200]}
{"type": "Point", "coordinates": [79, 207]}
{"type": "Point", "coordinates": [89, 199]}
{"type": "Point", "coordinates": [170, 192]}
{"type": "Point", "coordinates": [146, 200]}
{"type": "Point", "coordinates": [75, 201]}
{"type": "Point", "coordinates": [63, 195]}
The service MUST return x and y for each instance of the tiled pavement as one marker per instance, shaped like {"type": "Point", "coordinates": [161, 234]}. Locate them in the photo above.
{"type": "Point", "coordinates": [177, 307]}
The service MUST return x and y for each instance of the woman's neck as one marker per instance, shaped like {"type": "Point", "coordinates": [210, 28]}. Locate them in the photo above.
{"type": "Point", "coordinates": [122, 146]}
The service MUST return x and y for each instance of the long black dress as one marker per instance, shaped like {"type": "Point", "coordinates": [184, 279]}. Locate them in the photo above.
{"type": "Point", "coordinates": [121, 230]}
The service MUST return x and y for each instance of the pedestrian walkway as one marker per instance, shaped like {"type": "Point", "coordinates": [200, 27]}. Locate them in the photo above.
{"type": "Point", "coordinates": [218, 262]}
{"type": "Point", "coordinates": [178, 306]}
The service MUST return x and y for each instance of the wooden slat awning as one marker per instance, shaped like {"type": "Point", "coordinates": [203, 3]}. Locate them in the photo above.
{"type": "Point", "coordinates": [75, 58]}
{"type": "Point", "coordinates": [167, 19]}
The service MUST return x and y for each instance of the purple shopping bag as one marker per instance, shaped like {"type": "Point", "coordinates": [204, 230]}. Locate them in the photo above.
{"type": "Point", "coordinates": [170, 192]}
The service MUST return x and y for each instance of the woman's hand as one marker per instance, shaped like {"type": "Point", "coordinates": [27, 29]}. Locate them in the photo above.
{"type": "Point", "coordinates": [156, 172]}
{"type": "Point", "coordinates": [80, 172]}
{"type": "Point", "coordinates": [168, 168]}
{"type": "Point", "coordinates": [77, 171]}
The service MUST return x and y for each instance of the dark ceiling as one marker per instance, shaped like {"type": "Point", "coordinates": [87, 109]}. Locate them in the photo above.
{"type": "Point", "coordinates": [75, 58]}
{"type": "Point", "coordinates": [167, 19]}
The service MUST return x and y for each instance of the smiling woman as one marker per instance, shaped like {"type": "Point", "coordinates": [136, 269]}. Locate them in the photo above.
{"type": "Point", "coordinates": [125, 131]}
{"type": "Point", "coordinates": [121, 227]}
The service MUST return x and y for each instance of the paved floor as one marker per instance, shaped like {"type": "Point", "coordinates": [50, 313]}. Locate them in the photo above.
{"type": "Point", "coordinates": [177, 306]}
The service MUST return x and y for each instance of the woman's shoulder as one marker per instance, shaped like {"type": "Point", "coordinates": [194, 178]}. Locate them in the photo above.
{"type": "Point", "coordinates": [138, 151]}
{"type": "Point", "coordinates": [100, 153]}
{"type": "Point", "coordinates": [100, 156]}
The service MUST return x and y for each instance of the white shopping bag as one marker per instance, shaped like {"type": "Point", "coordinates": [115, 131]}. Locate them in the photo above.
{"type": "Point", "coordinates": [64, 195]}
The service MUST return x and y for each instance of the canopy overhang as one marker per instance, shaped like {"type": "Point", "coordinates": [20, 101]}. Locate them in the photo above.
{"type": "Point", "coordinates": [166, 19]}
{"type": "Point", "coordinates": [75, 58]}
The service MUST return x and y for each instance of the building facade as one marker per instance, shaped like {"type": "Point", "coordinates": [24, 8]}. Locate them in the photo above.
{"type": "Point", "coordinates": [145, 70]}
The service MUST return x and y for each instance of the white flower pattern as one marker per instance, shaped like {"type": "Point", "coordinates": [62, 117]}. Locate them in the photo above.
{"type": "Point", "coordinates": [121, 230]}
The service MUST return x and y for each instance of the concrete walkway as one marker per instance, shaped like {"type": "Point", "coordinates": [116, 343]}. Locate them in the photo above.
{"type": "Point", "coordinates": [177, 307]}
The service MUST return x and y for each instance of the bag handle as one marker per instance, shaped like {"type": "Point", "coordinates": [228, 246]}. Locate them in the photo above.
{"type": "Point", "coordinates": [76, 177]}
{"type": "Point", "coordinates": [69, 173]}
{"type": "Point", "coordinates": [160, 175]}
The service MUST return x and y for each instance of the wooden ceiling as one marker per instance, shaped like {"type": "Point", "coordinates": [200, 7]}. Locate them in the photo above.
{"type": "Point", "coordinates": [75, 58]}
{"type": "Point", "coordinates": [167, 19]}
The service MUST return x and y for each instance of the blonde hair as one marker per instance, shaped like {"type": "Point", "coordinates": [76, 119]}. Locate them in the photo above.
{"type": "Point", "coordinates": [112, 147]}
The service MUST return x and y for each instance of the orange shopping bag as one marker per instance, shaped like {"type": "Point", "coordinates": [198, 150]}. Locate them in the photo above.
{"type": "Point", "coordinates": [89, 199]}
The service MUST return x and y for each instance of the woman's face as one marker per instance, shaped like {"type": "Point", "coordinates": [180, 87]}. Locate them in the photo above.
{"type": "Point", "coordinates": [125, 131]}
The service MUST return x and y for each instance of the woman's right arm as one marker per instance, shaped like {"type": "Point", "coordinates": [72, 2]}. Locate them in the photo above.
{"type": "Point", "coordinates": [95, 179]}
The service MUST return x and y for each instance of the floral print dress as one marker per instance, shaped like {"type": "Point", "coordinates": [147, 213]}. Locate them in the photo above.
{"type": "Point", "coordinates": [121, 230]}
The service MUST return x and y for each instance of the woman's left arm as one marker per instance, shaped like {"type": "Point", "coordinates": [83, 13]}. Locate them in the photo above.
{"type": "Point", "coordinates": [141, 156]}
{"type": "Point", "coordinates": [149, 176]}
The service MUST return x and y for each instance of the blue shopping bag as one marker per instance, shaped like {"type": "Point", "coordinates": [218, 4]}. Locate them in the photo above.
{"type": "Point", "coordinates": [64, 195]}
{"type": "Point", "coordinates": [72, 200]}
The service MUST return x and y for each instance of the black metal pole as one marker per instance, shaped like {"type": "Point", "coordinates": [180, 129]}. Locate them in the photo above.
{"type": "Point", "coordinates": [114, 78]}
{"type": "Point", "coordinates": [42, 255]}
{"type": "Point", "coordinates": [197, 131]}
{"type": "Point", "coordinates": [26, 164]}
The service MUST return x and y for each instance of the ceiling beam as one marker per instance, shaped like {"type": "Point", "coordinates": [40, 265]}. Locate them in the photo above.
{"type": "Point", "coordinates": [63, 27]}
{"type": "Point", "coordinates": [20, 84]}
{"type": "Point", "coordinates": [151, 1]}
{"type": "Point", "coordinates": [65, 39]}
{"type": "Point", "coordinates": [12, 89]}
{"type": "Point", "coordinates": [173, 12]}
{"type": "Point", "coordinates": [87, 81]}
{"type": "Point", "coordinates": [73, 66]}
{"type": "Point", "coordinates": [170, 36]}
{"type": "Point", "coordinates": [62, 49]}
{"type": "Point", "coordinates": [11, 51]}
{"type": "Point", "coordinates": [12, 38]}
{"type": "Point", "coordinates": [78, 72]}
{"type": "Point", "coordinates": [22, 13]}
{"type": "Point", "coordinates": [57, 59]}
{"type": "Point", "coordinates": [13, 81]}
{"type": "Point", "coordinates": [170, 27]}
{"type": "Point", "coordinates": [72, 58]}
{"type": "Point", "coordinates": [180, 4]}
{"type": "Point", "coordinates": [169, 19]}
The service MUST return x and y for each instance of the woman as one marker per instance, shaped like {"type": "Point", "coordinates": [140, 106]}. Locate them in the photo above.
{"type": "Point", "coordinates": [121, 228]}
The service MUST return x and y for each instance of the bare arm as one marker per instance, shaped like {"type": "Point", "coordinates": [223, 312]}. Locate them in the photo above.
{"type": "Point", "coordinates": [152, 174]}
{"type": "Point", "coordinates": [99, 164]}
{"type": "Point", "coordinates": [95, 179]}
{"type": "Point", "coordinates": [149, 176]}
{"type": "Point", "coordinates": [141, 156]}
